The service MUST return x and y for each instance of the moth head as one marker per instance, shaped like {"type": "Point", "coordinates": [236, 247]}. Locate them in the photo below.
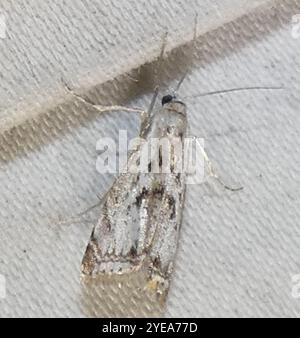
{"type": "Point", "coordinates": [171, 103]}
{"type": "Point", "coordinates": [167, 99]}
{"type": "Point", "coordinates": [170, 98]}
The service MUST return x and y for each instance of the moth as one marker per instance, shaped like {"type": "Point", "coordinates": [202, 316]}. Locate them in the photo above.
{"type": "Point", "coordinates": [141, 215]}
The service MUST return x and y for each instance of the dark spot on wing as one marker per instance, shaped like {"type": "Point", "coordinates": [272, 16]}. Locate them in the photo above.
{"type": "Point", "coordinates": [140, 197]}
{"type": "Point", "coordinates": [180, 196]}
{"type": "Point", "coordinates": [158, 191]}
{"type": "Point", "coordinates": [156, 262]}
{"type": "Point", "coordinates": [172, 206]}
{"type": "Point", "coordinates": [106, 223]}
{"type": "Point", "coordinates": [160, 157]}
{"type": "Point", "coordinates": [133, 251]}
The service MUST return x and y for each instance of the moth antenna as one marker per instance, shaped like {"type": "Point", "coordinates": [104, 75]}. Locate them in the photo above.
{"type": "Point", "coordinates": [153, 100]}
{"type": "Point", "coordinates": [194, 47]}
{"type": "Point", "coordinates": [232, 90]}
{"type": "Point", "coordinates": [180, 83]}
{"type": "Point", "coordinates": [158, 70]}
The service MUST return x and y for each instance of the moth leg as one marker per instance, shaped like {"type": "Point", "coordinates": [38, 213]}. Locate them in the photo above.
{"type": "Point", "coordinates": [71, 221]}
{"type": "Point", "coordinates": [98, 204]}
{"type": "Point", "coordinates": [130, 77]}
{"type": "Point", "coordinates": [78, 217]}
{"type": "Point", "coordinates": [213, 173]}
{"type": "Point", "coordinates": [100, 108]}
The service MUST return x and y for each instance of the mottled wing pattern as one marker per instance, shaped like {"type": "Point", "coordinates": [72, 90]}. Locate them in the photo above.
{"type": "Point", "coordinates": [141, 215]}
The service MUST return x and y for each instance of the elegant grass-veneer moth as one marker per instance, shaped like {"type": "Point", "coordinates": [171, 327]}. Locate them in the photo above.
{"type": "Point", "coordinates": [141, 215]}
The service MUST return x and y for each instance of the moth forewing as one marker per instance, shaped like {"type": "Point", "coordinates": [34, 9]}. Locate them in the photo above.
{"type": "Point", "coordinates": [141, 215]}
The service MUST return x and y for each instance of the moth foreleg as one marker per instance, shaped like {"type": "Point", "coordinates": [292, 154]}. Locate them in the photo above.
{"type": "Point", "coordinates": [100, 108]}
{"type": "Point", "coordinates": [212, 171]}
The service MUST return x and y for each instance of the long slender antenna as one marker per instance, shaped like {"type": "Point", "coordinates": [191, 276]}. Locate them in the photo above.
{"type": "Point", "coordinates": [232, 90]}
{"type": "Point", "coordinates": [160, 61]}
{"type": "Point", "coordinates": [194, 43]}
{"type": "Point", "coordinates": [180, 82]}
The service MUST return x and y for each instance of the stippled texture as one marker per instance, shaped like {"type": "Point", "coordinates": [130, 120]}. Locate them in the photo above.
{"type": "Point", "coordinates": [88, 43]}
{"type": "Point", "coordinates": [238, 251]}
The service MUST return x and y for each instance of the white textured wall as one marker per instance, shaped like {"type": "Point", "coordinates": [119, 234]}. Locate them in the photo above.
{"type": "Point", "coordinates": [238, 251]}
